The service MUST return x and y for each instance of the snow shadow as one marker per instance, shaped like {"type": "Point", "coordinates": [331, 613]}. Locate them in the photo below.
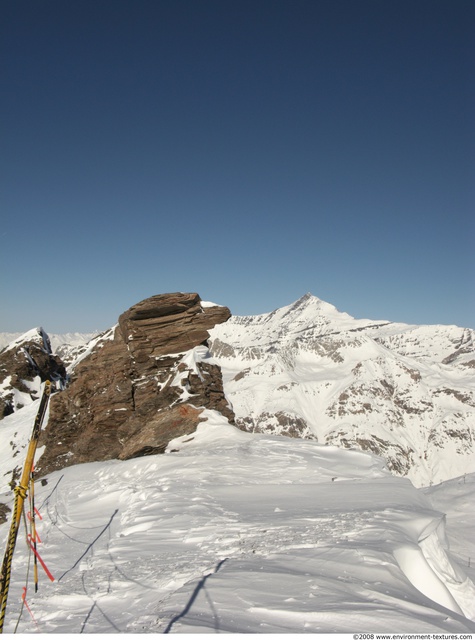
{"type": "Point", "coordinates": [201, 585]}
{"type": "Point", "coordinates": [90, 545]}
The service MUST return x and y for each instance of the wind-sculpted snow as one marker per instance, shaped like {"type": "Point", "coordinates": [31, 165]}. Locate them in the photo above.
{"type": "Point", "coordinates": [236, 532]}
{"type": "Point", "coordinates": [456, 498]}
{"type": "Point", "coordinates": [404, 392]}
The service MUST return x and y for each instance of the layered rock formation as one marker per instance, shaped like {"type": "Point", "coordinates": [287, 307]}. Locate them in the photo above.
{"type": "Point", "coordinates": [24, 365]}
{"type": "Point", "coordinates": [139, 385]}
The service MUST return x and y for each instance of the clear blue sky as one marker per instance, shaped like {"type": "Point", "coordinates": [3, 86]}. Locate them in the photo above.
{"type": "Point", "coordinates": [250, 151]}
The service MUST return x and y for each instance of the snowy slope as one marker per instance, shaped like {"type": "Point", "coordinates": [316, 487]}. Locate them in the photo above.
{"type": "Point", "coordinates": [7, 337]}
{"type": "Point", "coordinates": [65, 345]}
{"type": "Point", "coordinates": [404, 392]}
{"type": "Point", "coordinates": [456, 498]}
{"type": "Point", "coordinates": [38, 335]}
{"type": "Point", "coordinates": [236, 532]}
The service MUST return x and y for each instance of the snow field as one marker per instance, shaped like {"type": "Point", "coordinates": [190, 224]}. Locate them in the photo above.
{"type": "Point", "coordinates": [15, 432]}
{"type": "Point", "coordinates": [456, 498]}
{"type": "Point", "coordinates": [237, 532]}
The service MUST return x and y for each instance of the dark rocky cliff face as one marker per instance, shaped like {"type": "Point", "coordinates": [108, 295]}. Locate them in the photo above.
{"type": "Point", "coordinates": [139, 387]}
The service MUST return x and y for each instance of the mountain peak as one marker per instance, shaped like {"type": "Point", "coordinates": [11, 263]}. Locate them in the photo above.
{"type": "Point", "coordinates": [310, 309]}
{"type": "Point", "coordinates": [37, 335]}
{"type": "Point", "coordinates": [309, 300]}
{"type": "Point", "coordinates": [24, 364]}
{"type": "Point", "coordinates": [306, 297]}
{"type": "Point", "coordinates": [309, 370]}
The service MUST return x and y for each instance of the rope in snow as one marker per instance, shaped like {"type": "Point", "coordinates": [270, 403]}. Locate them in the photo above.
{"type": "Point", "coordinates": [32, 538]}
{"type": "Point", "coordinates": [23, 599]}
{"type": "Point", "coordinates": [90, 545]}
{"type": "Point", "coordinates": [21, 491]}
{"type": "Point", "coordinates": [200, 585]}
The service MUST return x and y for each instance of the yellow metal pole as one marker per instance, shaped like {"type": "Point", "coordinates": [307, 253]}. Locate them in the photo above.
{"type": "Point", "coordinates": [33, 526]}
{"type": "Point", "coordinates": [20, 495]}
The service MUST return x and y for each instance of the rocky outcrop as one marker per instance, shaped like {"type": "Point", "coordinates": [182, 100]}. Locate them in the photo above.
{"type": "Point", "coordinates": [142, 384]}
{"type": "Point", "coordinates": [24, 365]}
{"type": "Point", "coordinates": [168, 323]}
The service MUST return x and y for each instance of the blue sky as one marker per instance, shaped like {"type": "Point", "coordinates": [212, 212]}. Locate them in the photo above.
{"type": "Point", "coordinates": [250, 151]}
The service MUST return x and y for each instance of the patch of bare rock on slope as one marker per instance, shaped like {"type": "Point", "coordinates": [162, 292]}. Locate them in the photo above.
{"type": "Point", "coordinates": [136, 389]}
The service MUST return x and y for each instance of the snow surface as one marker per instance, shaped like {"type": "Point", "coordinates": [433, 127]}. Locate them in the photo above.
{"type": "Point", "coordinates": [7, 337]}
{"type": "Point", "coordinates": [236, 532]}
{"type": "Point", "coordinates": [456, 498]}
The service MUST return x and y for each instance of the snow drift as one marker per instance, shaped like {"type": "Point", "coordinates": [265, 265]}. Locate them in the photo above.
{"type": "Point", "coordinates": [236, 532]}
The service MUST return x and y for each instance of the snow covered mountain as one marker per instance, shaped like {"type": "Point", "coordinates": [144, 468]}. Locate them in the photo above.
{"type": "Point", "coordinates": [237, 532]}
{"type": "Point", "coordinates": [229, 531]}
{"type": "Point", "coordinates": [405, 392]}
{"type": "Point", "coordinates": [25, 363]}
{"type": "Point", "coordinates": [65, 345]}
{"type": "Point", "coordinates": [7, 337]}
{"type": "Point", "coordinates": [27, 359]}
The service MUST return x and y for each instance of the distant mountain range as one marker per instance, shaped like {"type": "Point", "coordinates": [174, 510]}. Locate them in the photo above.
{"type": "Point", "coordinates": [404, 392]}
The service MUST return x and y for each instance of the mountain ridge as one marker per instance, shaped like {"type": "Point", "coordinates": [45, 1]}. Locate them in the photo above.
{"type": "Point", "coordinates": [245, 532]}
{"type": "Point", "coordinates": [308, 370]}
{"type": "Point", "coordinates": [402, 391]}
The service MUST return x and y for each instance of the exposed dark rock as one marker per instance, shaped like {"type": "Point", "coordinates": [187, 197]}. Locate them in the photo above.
{"type": "Point", "coordinates": [280, 423]}
{"type": "Point", "coordinates": [399, 459]}
{"type": "Point", "coordinates": [154, 437]}
{"type": "Point", "coordinates": [4, 511]}
{"type": "Point", "coordinates": [136, 391]}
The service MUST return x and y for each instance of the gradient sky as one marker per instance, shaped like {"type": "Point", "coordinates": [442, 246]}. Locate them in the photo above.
{"type": "Point", "coordinates": [251, 151]}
